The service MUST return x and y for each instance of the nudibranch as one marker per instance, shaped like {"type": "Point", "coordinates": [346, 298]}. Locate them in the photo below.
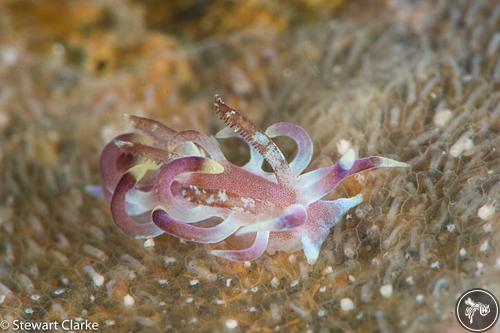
{"type": "Point", "coordinates": [180, 183]}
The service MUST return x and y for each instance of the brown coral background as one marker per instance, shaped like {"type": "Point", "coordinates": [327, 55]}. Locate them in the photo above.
{"type": "Point", "coordinates": [417, 81]}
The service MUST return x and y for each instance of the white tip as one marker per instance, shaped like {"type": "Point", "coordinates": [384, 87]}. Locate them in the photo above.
{"type": "Point", "coordinates": [347, 160]}
{"type": "Point", "coordinates": [388, 163]}
{"type": "Point", "coordinates": [311, 250]}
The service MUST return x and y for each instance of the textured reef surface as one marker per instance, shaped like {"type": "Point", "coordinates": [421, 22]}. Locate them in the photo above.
{"type": "Point", "coordinates": [413, 81]}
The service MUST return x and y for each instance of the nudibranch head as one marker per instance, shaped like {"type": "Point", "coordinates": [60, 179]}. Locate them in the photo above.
{"type": "Point", "coordinates": [180, 183]}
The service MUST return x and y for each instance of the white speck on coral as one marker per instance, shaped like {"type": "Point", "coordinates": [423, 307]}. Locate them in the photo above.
{"type": "Point", "coordinates": [128, 300]}
{"type": "Point", "coordinates": [59, 292]}
{"type": "Point", "coordinates": [329, 270]}
{"type": "Point", "coordinates": [351, 278]}
{"type": "Point", "coordinates": [486, 212]}
{"type": "Point", "coordinates": [321, 313]}
{"type": "Point", "coordinates": [484, 246]}
{"type": "Point", "coordinates": [442, 118]}
{"type": "Point", "coordinates": [463, 144]}
{"type": "Point", "coordinates": [162, 282]}
{"type": "Point", "coordinates": [451, 228]}
{"type": "Point", "coordinates": [420, 298]}
{"type": "Point", "coordinates": [349, 252]}
{"type": "Point", "coordinates": [169, 260]}
{"type": "Point", "coordinates": [294, 283]}
{"type": "Point", "coordinates": [194, 282]}
{"type": "Point", "coordinates": [149, 243]}
{"type": "Point", "coordinates": [275, 282]}
{"type": "Point", "coordinates": [28, 311]}
{"type": "Point", "coordinates": [219, 302]}
{"type": "Point", "coordinates": [252, 309]}
{"type": "Point", "coordinates": [322, 289]}
{"type": "Point", "coordinates": [292, 258]}
{"type": "Point", "coordinates": [480, 268]}
{"type": "Point", "coordinates": [435, 265]}
{"type": "Point", "coordinates": [386, 290]}
{"type": "Point", "coordinates": [110, 322]}
{"type": "Point", "coordinates": [346, 304]}
{"type": "Point", "coordinates": [9, 55]}
{"type": "Point", "coordinates": [2, 298]}
{"type": "Point", "coordinates": [487, 228]}
{"type": "Point", "coordinates": [231, 324]}
{"type": "Point", "coordinates": [247, 264]}
{"type": "Point", "coordinates": [462, 252]}
{"type": "Point", "coordinates": [35, 297]}
{"type": "Point", "coordinates": [189, 300]}
{"type": "Point", "coordinates": [410, 280]}
{"type": "Point", "coordinates": [254, 289]}
{"type": "Point", "coordinates": [228, 283]}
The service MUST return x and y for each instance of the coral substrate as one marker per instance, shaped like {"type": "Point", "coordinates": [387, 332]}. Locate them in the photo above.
{"type": "Point", "coordinates": [416, 81]}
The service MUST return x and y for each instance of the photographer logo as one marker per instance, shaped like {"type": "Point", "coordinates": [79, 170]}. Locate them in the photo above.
{"type": "Point", "coordinates": [477, 310]}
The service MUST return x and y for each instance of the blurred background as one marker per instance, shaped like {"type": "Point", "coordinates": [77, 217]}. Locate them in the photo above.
{"type": "Point", "coordinates": [417, 81]}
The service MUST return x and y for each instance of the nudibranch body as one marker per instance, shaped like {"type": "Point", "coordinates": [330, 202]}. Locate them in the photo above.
{"type": "Point", "coordinates": [180, 183]}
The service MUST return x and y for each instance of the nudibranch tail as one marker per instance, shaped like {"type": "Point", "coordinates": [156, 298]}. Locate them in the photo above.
{"type": "Point", "coordinates": [208, 144]}
{"type": "Point", "coordinates": [180, 183]}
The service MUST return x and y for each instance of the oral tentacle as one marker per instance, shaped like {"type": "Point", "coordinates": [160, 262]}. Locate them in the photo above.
{"type": "Point", "coordinates": [251, 253]}
{"type": "Point", "coordinates": [114, 162]}
{"type": "Point", "coordinates": [207, 143]}
{"type": "Point", "coordinates": [139, 149]}
{"type": "Point", "coordinates": [139, 202]}
{"type": "Point", "coordinates": [119, 211]}
{"type": "Point", "coordinates": [303, 141]}
{"type": "Point", "coordinates": [153, 128]}
{"type": "Point", "coordinates": [259, 140]}
{"type": "Point", "coordinates": [188, 232]}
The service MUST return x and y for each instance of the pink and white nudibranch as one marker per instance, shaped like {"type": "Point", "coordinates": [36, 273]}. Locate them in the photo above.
{"type": "Point", "coordinates": [180, 183]}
